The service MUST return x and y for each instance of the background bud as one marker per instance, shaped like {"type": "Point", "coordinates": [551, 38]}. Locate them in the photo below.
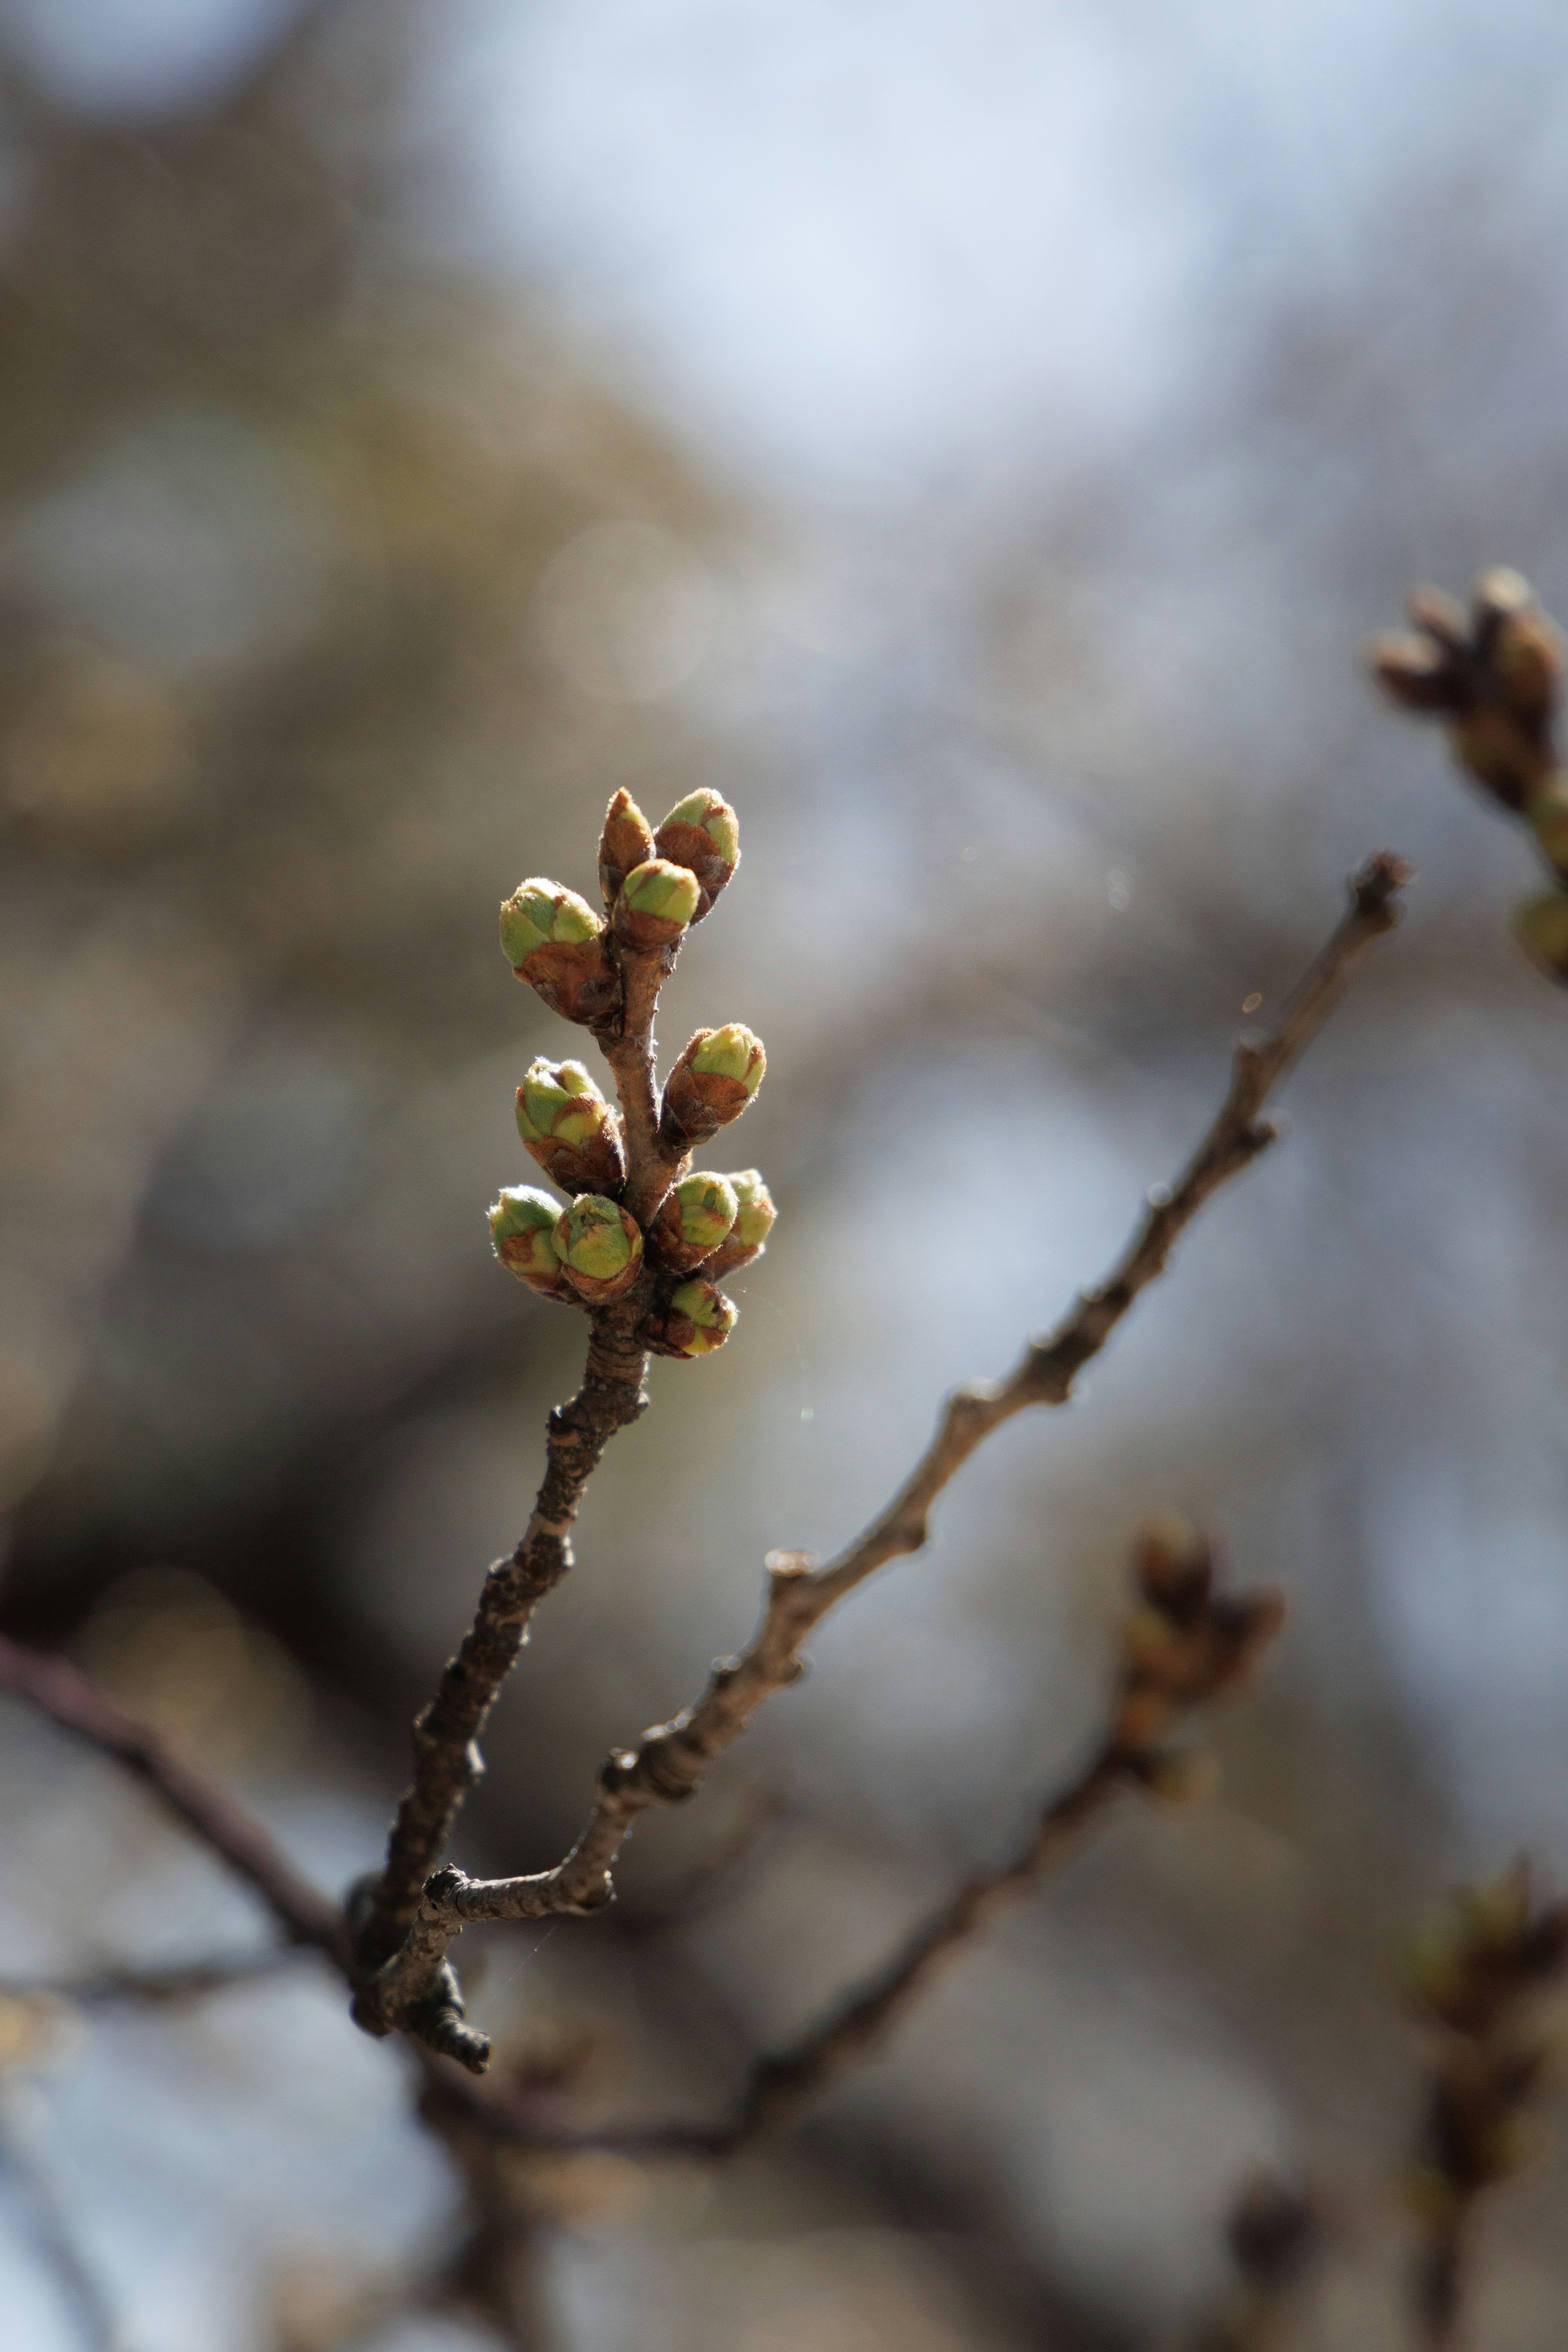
{"type": "Point", "coordinates": [626, 841]}
{"type": "Point", "coordinates": [1540, 927]}
{"type": "Point", "coordinates": [657, 901]}
{"type": "Point", "coordinates": [1415, 672]}
{"type": "Point", "coordinates": [570, 1129]}
{"type": "Point", "coordinates": [696, 1217]}
{"type": "Point", "coordinates": [600, 1247]}
{"type": "Point", "coordinates": [1547, 816]}
{"type": "Point", "coordinates": [702, 832]}
{"type": "Point", "coordinates": [1182, 1776]}
{"type": "Point", "coordinates": [555, 941]}
{"type": "Point", "coordinates": [698, 1319]}
{"type": "Point", "coordinates": [522, 1224]}
{"type": "Point", "coordinates": [712, 1084]}
{"type": "Point", "coordinates": [755, 1216]}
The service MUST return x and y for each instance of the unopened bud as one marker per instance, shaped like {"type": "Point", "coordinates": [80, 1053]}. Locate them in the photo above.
{"type": "Point", "coordinates": [1547, 816]}
{"type": "Point", "coordinates": [657, 901]}
{"type": "Point", "coordinates": [1415, 672]}
{"type": "Point", "coordinates": [600, 1247]}
{"type": "Point", "coordinates": [697, 1215]}
{"type": "Point", "coordinates": [1173, 1563]}
{"type": "Point", "coordinates": [1527, 655]}
{"type": "Point", "coordinates": [626, 841]}
{"type": "Point", "coordinates": [755, 1217]}
{"type": "Point", "coordinates": [570, 1129]}
{"type": "Point", "coordinates": [555, 941]}
{"type": "Point", "coordinates": [698, 1319]}
{"type": "Point", "coordinates": [713, 1082]}
{"type": "Point", "coordinates": [1540, 927]}
{"type": "Point", "coordinates": [702, 832]}
{"type": "Point", "coordinates": [522, 1226]}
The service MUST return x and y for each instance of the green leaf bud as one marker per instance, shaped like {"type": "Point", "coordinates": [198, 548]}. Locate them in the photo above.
{"type": "Point", "coordinates": [698, 1319]}
{"type": "Point", "coordinates": [600, 1247]}
{"type": "Point", "coordinates": [702, 832]}
{"type": "Point", "coordinates": [712, 1084]}
{"type": "Point", "coordinates": [627, 841]}
{"type": "Point", "coordinates": [755, 1216]}
{"type": "Point", "coordinates": [522, 1225]}
{"type": "Point", "coordinates": [555, 941]}
{"type": "Point", "coordinates": [657, 901]}
{"type": "Point", "coordinates": [696, 1217]}
{"type": "Point", "coordinates": [1547, 816]}
{"type": "Point", "coordinates": [1540, 927]}
{"type": "Point", "coordinates": [570, 1129]}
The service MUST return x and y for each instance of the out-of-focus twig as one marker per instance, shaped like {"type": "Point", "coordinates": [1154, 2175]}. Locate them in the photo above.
{"type": "Point", "coordinates": [1274, 2235]}
{"type": "Point", "coordinates": [77, 1704]}
{"type": "Point", "coordinates": [1477, 1975]}
{"type": "Point", "coordinates": [670, 1761]}
{"type": "Point", "coordinates": [79, 2285]}
{"type": "Point", "coordinates": [154, 1987]}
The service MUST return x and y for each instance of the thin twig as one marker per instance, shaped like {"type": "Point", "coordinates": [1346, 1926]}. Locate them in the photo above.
{"type": "Point", "coordinates": [154, 1987]}
{"type": "Point", "coordinates": [670, 1761]}
{"type": "Point", "coordinates": [77, 1704]}
{"type": "Point", "coordinates": [78, 2285]}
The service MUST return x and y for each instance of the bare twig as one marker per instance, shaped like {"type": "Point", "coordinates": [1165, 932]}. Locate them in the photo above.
{"type": "Point", "coordinates": [154, 1987]}
{"type": "Point", "coordinates": [78, 2285]}
{"type": "Point", "coordinates": [79, 1704]}
{"type": "Point", "coordinates": [670, 1761]}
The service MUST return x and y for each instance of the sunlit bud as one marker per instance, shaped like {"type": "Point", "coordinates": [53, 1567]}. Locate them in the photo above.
{"type": "Point", "coordinates": [712, 1084]}
{"type": "Point", "coordinates": [703, 833]}
{"type": "Point", "coordinates": [570, 1129]}
{"type": "Point", "coordinates": [755, 1216]}
{"type": "Point", "coordinates": [522, 1224]}
{"type": "Point", "coordinates": [553, 940]}
{"type": "Point", "coordinates": [697, 1215]}
{"type": "Point", "coordinates": [657, 901]}
{"type": "Point", "coordinates": [1528, 657]}
{"type": "Point", "coordinates": [626, 841]}
{"type": "Point", "coordinates": [1182, 1776]}
{"type": "Point", "coordinates": [600, 1247]}
{"type": "Point", "coordinates": [1547, 816]}
{"type": "Point", "coordinates": [1540, 927]}
{"type": "Point", "coordinates": [698, 1319]}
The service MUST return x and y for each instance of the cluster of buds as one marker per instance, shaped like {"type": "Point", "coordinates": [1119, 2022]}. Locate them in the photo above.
{"type": "Point", "coordinates": [1493, 677]}
{"type": "Point", "coordinates": [592, 1252]}
{"type": "Point", "coordinates": [1184, 1645]}
{"type": "Point", "coordinates": [1477, 1974]}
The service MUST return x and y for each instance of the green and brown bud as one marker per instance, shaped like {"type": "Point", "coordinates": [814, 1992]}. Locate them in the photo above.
{"type": "Point", "coordinates": [696, 1215]}
{"type": "Point", "coordinates": [1547, 817]}
{"type": "Point", "coordinates": [555, 941]}
{"type": "Point", "coordinates": [600, 1246]}
{"type": "Point", "coordinates": [522, 1227]}
{"type": "Point", "coordinates": [755, 1217]}
{"type": "Point", "coordinates": [570, 1129]}
{"type": "Point", "coordinates": [1494, 676]}
{"type": "Point", "coordinates": [702, 832]}
{"type": "Point", "coordinates": [1540, 927]}
{"type": "Point", "coordinates": [626, 841]}
{"type": "Point", "coordinates": [698, 1319]}
{"type": "Point", "coordinates": [712, 1084]}
{"type": "Point", "coordinates": [657, 902]}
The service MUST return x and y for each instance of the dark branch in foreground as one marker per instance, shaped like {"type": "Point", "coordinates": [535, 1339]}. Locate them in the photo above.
{"type": "Point", "coordinates": [670, 1761]}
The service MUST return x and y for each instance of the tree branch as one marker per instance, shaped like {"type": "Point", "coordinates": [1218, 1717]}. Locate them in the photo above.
{"type": "Point", "coordinates": [670, 1761]}
{"type": "Point", "coordinates": [79, 1705]}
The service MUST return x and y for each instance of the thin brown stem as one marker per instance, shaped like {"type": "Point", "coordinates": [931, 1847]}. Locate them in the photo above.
{"type": "Point", "coordinates": [79, 1705]}
{"type": "Point", "coordinates": [670, 1761]}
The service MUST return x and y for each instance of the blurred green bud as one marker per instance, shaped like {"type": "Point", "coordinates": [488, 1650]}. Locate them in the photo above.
{"type": "Point", "coordinates": [600, 1247]}
{"type": "Point", "coordinates": [698, 1319]}
{"type": "Point", "coordinates": [522, 1226]}
{"type": "Point", "coordinates": [626, 841]}
{"type": "Point", "coordinates": [702, 832]}
{"type": "Point", "coordinates": [1182, 1776]}
{"type": "Point", "coordinates": [711, 1083]}
{"type": "Point", "coordinates": [555, 941]}
{"type": "Point", "coordinates": [755, 1216]}
{"type": "Point", "coordinates": [1540, 927]}
{"type": "Point", "coordinates": [657, 901]}
{"type": "Point", "coordinates": [1547, 816]}
{"type": "Point", "coordinates": [570, 1129]}
{"type": "Point", "coordinates": [697, 1215]}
